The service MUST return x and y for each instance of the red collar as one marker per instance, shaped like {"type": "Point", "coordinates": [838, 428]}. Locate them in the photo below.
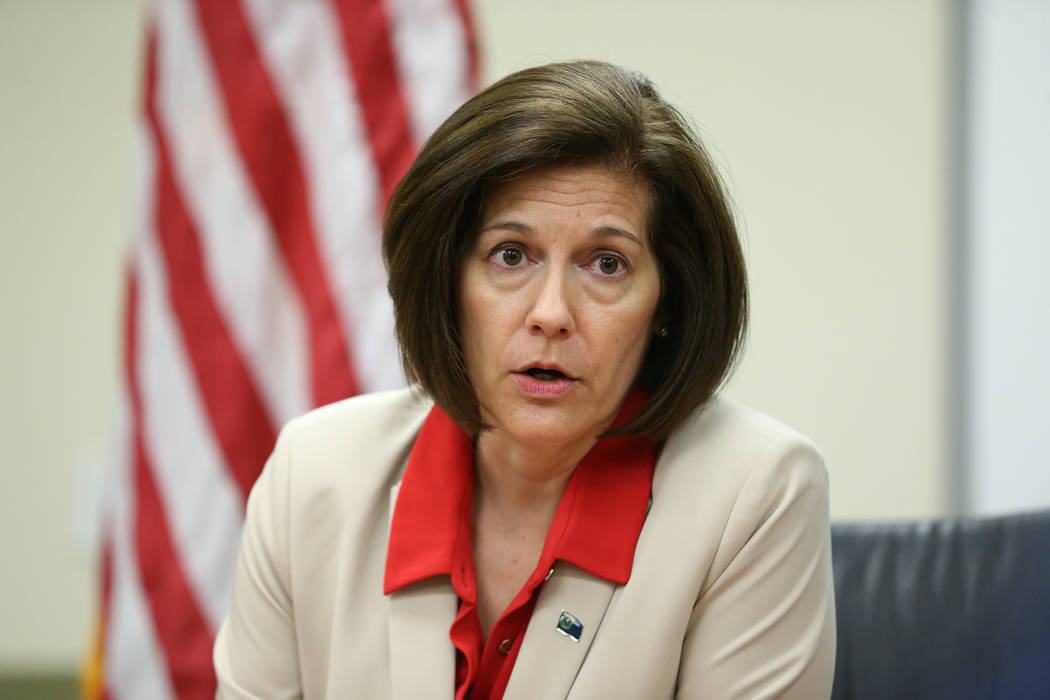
{"type": "Point", "coordinates": [603, 507]}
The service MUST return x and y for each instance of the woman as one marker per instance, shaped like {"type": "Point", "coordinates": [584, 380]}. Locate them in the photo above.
{"type": "Point", "coordinates": [563, 507]}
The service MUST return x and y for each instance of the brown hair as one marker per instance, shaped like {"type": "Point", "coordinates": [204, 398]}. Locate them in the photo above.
{"type": "Point", "coordinates": [582, 112]}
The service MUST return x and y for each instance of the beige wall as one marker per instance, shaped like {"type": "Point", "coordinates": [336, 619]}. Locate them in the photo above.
{"type": "Point", "coordinates": [67, 89]}
{"type": "Point", "coordinates": [828, 119]}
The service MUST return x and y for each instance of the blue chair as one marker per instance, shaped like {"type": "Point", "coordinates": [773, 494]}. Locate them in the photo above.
{"type": "Point", "coordinates": [955, 609]}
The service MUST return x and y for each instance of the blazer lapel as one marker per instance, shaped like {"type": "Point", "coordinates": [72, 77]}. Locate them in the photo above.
{"type": "Point", "coordinates": [549, 660]}
{"type": "Point", "coordinates": [422, 658]}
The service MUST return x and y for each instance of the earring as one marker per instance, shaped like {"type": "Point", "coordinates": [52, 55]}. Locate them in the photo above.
{"type": "Point", "coordinates": [664, 333]}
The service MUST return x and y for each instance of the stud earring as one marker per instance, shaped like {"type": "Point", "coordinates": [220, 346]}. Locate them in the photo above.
{"type": "Point", "coordinates": [664, 333]}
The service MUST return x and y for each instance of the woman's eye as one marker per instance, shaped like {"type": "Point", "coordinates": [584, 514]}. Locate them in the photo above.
{"type": "Point", "coordinates": [509, 257]}
{"type": "Point", "coordinates": [608, 265]}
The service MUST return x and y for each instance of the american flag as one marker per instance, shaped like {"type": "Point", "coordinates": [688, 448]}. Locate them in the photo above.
{"type": "Point", "coordinates": [272, 133]}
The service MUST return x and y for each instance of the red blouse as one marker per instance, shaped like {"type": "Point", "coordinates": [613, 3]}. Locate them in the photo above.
{"type": "Point", "coordinates": [595, 527]}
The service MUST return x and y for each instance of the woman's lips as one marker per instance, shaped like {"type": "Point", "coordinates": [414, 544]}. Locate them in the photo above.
{"type": "Point", "coordinates": [543, 387]}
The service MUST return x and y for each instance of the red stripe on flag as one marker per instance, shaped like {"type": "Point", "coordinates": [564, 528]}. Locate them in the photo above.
{"type": "Point", "coordinates": [365, 31]}
{"type": "Point", "coordinates": [107, 583]}
{"type": "Point", "coordinates": [264, 139]}
{"type": "Point", "coordinates": [473, 62]}
{"type": "Point", "coordinates": [102, 689]}
{"type": "Point", "coordinates": [181, 629]}
{"type": "Point", "coordinates": [235, 409]}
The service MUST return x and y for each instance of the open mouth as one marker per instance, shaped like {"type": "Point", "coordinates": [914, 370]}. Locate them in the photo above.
{"type": "Point", "coordinates": [544, 382]}
{"type": "Point", "coordinates": [546, 375]}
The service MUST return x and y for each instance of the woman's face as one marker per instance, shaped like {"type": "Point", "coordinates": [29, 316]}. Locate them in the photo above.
{"type": "Point", "coordinates": [557, 298]}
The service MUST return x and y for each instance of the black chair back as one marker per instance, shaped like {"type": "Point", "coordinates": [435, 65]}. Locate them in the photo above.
{"type": "Point", "coordinates": [953, 609]}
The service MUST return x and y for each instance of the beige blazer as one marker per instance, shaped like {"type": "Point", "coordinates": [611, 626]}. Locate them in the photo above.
{"type": "Point", "coordinates": [730, 596]}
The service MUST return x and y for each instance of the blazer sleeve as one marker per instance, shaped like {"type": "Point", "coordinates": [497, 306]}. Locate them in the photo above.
{"type": "Point", "coordinates": [764, 624]}
{"type": "Point", "coordinates": [255, 651]}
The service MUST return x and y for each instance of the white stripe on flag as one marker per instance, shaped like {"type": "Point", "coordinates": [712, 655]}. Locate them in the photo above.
{"type": "Point", "coordinates": [430, 44]}
{"type": "Point", "coordinates": [311, 77]}
{"type": "Point", "coordinates": [245, 269]}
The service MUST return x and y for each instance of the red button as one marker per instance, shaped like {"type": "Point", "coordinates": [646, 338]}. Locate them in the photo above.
{"type": "Point", "coordinates": [504, 646]}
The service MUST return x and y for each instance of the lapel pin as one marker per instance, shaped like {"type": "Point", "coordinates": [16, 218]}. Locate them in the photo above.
{"type": "Point", "coordinates": [570, 626]}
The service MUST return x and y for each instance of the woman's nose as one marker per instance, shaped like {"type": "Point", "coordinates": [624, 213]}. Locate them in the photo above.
{"type": "Point", "coordinates": [551, 312]}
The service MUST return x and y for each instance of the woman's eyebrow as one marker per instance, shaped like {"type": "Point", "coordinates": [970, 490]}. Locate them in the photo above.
{"type": "Point", "coordinates": [597, 234]}
{"type": "Point", "coordinates": [514, 226]}
{"type": "Point", "coordinates": [611, 231]}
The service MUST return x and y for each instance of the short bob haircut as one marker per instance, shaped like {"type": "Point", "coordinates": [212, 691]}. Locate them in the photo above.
{"type": "Point", "coordinates": [576, 113]}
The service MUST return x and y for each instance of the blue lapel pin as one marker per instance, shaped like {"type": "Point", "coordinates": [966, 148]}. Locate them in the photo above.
{"type": "Point", "coordinates": [570, 626]}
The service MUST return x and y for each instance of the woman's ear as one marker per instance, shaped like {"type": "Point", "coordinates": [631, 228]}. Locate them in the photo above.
{"type": "Point", "coordinates": [661, 327]}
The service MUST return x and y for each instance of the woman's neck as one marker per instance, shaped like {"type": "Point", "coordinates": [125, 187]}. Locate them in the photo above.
{"type": "Point", "coordinates": [512, 478]}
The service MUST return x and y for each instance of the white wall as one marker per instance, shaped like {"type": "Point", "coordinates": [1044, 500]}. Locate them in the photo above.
{"type": "Point", "coordinates": [830, 121]}
{"type": "Point", "coordinates": [1007, 213]}
{"type": "Point", "coordinates": [828, 118]}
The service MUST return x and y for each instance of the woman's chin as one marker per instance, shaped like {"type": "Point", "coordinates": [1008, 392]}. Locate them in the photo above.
{"type": "Point", "coordinates": [548, 426]}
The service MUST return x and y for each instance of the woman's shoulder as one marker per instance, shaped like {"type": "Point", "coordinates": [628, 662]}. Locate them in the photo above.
{"type": "Point", "coordinates": [739, 523]}
{"type": "Point", "coordinates": [735, 454]}
{"type": "Point", "coordinates": [352, 442]}
{"type": "Point", "coordinates": [730, 432]}
{"type": "Point", "coordinates": [368, 416]}
{"type": "Point", "coordinates": [745, 486]}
